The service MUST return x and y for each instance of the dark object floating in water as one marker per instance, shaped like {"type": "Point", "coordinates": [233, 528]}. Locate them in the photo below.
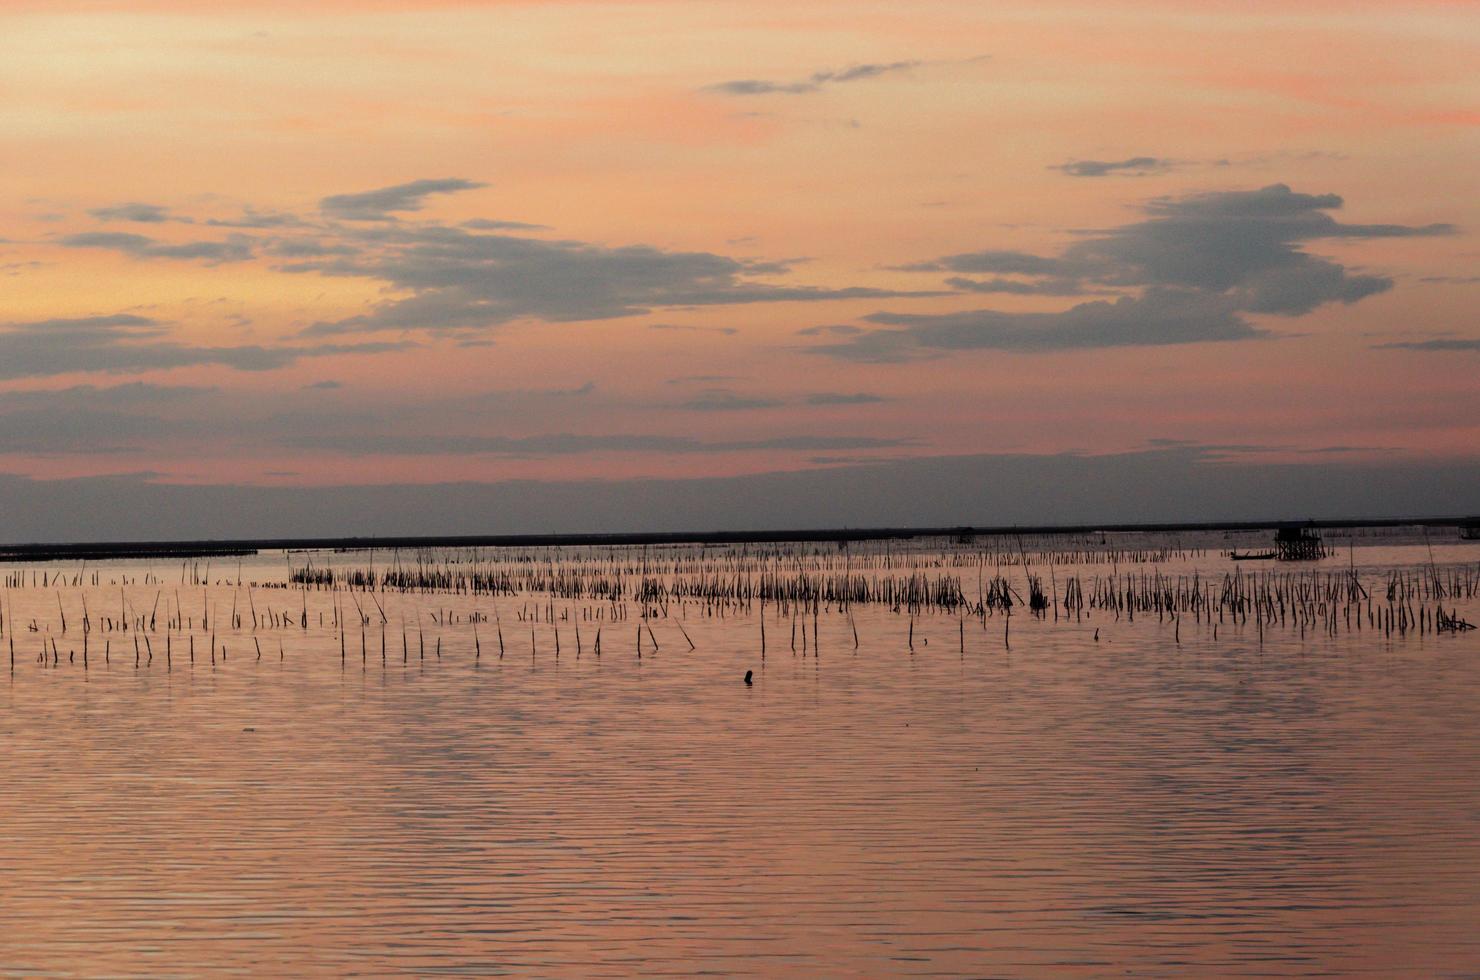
{"type": "Point", "coordinates": [1254, 555]}
{"type": "Point", "coordinates": [748, 675]}
{"type": "Point", "coordinates": [1450, 622]}
{"type": "Point", "coordinates": [249, 729]}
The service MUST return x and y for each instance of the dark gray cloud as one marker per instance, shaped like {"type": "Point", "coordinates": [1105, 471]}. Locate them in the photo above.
{"type": "Point", "coordinates": [1440, 344]}
{"type": "Point", "coordinates": [460, 280]}
{"type": "Point", "coordinates": [381, 204]}
{"type": "Point", "coordinates": [568, 444]}
{"type": "Point", "coordinates": [846, 460]}
{"type": "Point", "coordinates": [1244, 245]}
{"type": "Point", "coordinates": [844, 398]}
{"type": "Point", "coordinates": [125, 343]}
{"type": "Point", "coordinates": [1190, 271]}
{"type": "Point", "coordinates": [1221, 452]}
{"type": "Point", "coordinates": [486, 224]}
{"type": "Point", "coordinates": [1017, 287]}
{"type": "Point", "coordinates": [998, 261]}
{"type": "Point", "coordinates": [1159, 317]}
{"type": "Point", "coordinates": [813, 83]}
{"type": "Point", "coordinates": [726, 400]}
{"type": "Point", "coordinates": [133, 211]}
{"type": "Point", "coordinates": [843, 329]}
{"type": "Point", "coordinates": [308, 248]}
{"type": "Point", "coordinates": [1134, 166]}
{"type": "Point", "coordinates": [236, 248]}
{"type": "Point", "coordinates": [693, 328]}
{"type": "Point", "coordinates": [701, 379]}
{"type": "Point", "coordinates": [503, 395]}
{"type": "Point", "coordinates": [324, 386]}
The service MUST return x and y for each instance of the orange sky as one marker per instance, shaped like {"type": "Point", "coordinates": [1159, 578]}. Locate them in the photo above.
{"type": "Point", "coordinates": [726, 233]}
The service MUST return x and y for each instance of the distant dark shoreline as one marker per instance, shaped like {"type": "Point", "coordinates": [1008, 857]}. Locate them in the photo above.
{"type": "Point", "coordinates": [100, 551]}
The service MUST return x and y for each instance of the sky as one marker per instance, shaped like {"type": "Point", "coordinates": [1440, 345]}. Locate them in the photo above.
{"type": "Point", "coordinates": [285, 253]}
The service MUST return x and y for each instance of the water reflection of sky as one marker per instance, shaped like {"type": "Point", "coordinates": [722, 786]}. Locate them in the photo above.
{"type": "Point", "coordinates": [1068, 807]}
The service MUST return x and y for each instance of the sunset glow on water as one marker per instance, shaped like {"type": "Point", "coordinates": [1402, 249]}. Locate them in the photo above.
{"type": "Point", "coordinates": [1033, 797]}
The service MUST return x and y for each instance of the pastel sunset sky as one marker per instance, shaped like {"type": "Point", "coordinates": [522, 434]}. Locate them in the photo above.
{"type": "Point", "coordinates": [328, 243]}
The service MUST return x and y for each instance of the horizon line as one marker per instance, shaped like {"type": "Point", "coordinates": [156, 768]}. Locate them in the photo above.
{"type": "Point", "coordinates": [237, 547]}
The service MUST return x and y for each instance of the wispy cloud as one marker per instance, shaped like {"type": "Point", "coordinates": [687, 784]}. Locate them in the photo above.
{"type": "Point", "coordinates": [568, 444]}
{"type": "Point", "coordinates": [1134, 166]}
{"type": "Point", "coordinates": [693, 328]}
{"type": "Point", "coordinates": [812, 83]}
{"type": "Point", "coordinates": [384, 203]}
{"type": "Point", "coordinates": [235, 249]}
{"type": "Point", "coordinates": [726, 400]}
{"type": "Point", "coordinates": [819, 80]}
{"type": "Point", "coordinates": [253, 218]}
{"type": "Point", "coordinates": [143, 213]}
{"type": "Point", "coordinates": [844, 398]}
{"type": "Point", "coordinates": [126, 343]}
{"type": "Point", "coordinates": [489, 224]}
{"type": "Point", "coordinates": [842, 329]}
{"type": "Point", "coordinates": [1451, 344]}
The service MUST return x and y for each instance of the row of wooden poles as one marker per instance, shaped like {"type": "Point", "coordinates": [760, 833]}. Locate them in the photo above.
{"type": "Point", "coordinates": [1390, 619]}
{"type": "Point", "coordinates": [1302, 598]}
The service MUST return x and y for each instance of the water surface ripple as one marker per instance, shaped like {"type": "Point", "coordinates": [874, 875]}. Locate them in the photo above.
{"type": "Point", "coordinates": [1146, 804]}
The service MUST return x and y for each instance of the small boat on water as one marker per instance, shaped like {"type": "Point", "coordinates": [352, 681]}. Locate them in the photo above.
{"type": "Point", "coordinates": [1254, 555]}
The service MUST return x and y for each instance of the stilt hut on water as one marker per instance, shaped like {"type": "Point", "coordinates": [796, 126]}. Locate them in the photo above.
{"type": "Point", "coordinates": [1299, 543]}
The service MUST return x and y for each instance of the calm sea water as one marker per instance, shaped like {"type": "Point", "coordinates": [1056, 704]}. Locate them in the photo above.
{"type": "Point", "coordinates": [1153, 802]}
